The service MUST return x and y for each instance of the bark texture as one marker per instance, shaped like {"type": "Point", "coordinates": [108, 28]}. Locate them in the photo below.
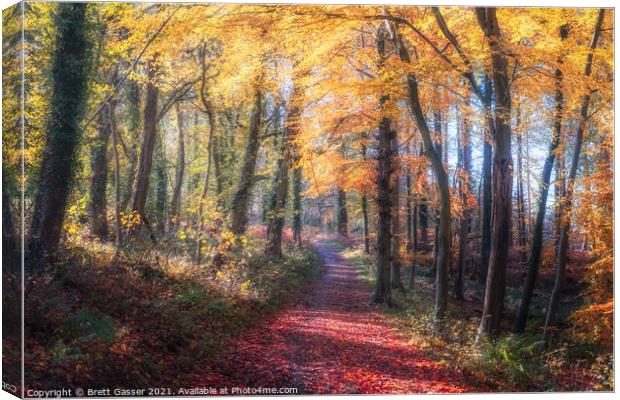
{"type": "Point", "coordinates": [69, 75]}
{"type": "Point", "coordinates": [501, 208]}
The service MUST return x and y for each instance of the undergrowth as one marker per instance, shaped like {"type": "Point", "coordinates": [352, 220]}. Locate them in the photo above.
{"type": "Point", "coordinates": [513, 362]}
{"type": "Point", "coordinates": [96, 320]}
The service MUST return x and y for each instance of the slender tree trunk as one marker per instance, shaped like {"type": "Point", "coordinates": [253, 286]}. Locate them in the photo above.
{"type": "Point", "coordinates": [343, 216]}
{"type": "Point", "coordinates": [97, 202]}
{"type": "Point", "coordinates": [366, 229]}
{"type": "Point", "coordinates": [423, 216]}
{"type": "Point", "coordinates": [161, 189]}
{"type": "Point", "coordinates": [465, 190]}
{"type": "Point", "coordinates": [297, 211]}
{"type": "Point", "coordinates": [408, 207]}
{"type": "Point", "coordinates": [501, 214]}
{"type": "Point", "coordinates": [241, 201]}
{"type": "Point", "coordinates": [69, 75]}
{"type": "Point", "coordinates": [395, 275]}
{"type": "Point", "coordinates": [414, 228]}
{"type": "Point", "coordinates": [365, 223]}
{"type": "Point", "coordinates": [118, 237]}
{"type": "Point", "coordinates": [216, 154]}
{"type": "Point", "coordinates": [537, 231]}
{"type": "Point", "coordinates": [205, 190]}
{"type": "Point", "coordinates": [521, 224]}
{"type": "Point", "coordinates": [562, 254]}
{"type": "Point", "coordinates": [277, 207]}
{"type": "Point", "coordinates": [133, 107]}
{"type": "Point", "coordinates": [443, 187]}
{"type": "Point", "coordinates": [143, 176]}
{"type": "Point", "coordinates": [175, 204]}
{"type": "Point", "coordinates": [487, 162]}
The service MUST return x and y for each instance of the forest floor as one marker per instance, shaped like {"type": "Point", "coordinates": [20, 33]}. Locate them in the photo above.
{"type": "Point", "coordinates": [331, 341]}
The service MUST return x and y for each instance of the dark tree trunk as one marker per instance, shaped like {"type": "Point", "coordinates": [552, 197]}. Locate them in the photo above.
{"type": "Point", "coordinates": [365, 223]}
{"type": "Point", "coordinates": [409, 211]}
{"type": "Point", "coordinates": [423, 217]}
{"type": "Point", "coordinates": [521, 224]}
{"type": "Point", "coordinates": [277, 206]}
{"type": "Point", "coordinates": [414, 228]}
{"type": "Point", "coordinates": [175, 204]}
{"type": "Point", "coordinates": [145, 164]}
{"type": "Point", "coordinates": [118, 238]}
{"type": "Point", "coordinates": [395, 276]}
{"type": "Point", "coordinates": [487, 160]}
{"type": "Point", "coordinates": [161, 189]}
{"type": "Point", "coordinates": [69, 75]}
{"type": "Point", "coordinates": [97, 202]}
{"type": "Point", "coordinates": [562, 253]}
{"type": "Point", "coordinates": [297, 188]}
{"type": "Point", "coordinates": [383, 290]}
{"type": "Point", "coordinates": [241, 201]}
{"type": "Point", "coordinates": [501, 213]}
{"type": "Point", "coordinates": [465, 190]}
{"type": "Point", "coordinates": [343, 216]}
{"type": "Point", "coordinates": [537, 231]}
{"type": "Point", "coordinates": [365, 227]}
{"type": "Point", "coordinates": [216, 154]}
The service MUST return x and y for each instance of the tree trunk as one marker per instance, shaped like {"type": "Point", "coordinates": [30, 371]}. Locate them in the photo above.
{"type": "Point", "coordinates": [487, 157]}
{"type": "Point", "coordinates": [501, 214]}
{"type": "Point", "coordinates": [395, 275]}
{"type": "Point", "coordinates": [423, 217]}
{"type": "Point", "coordinates": [444, 232]}
{"type": "Point", "coordinates": [205, 190]}
{"type": "Point", "coordinates": [414, 228]}
{"type": "Point", "coordinates": [537, 231]}
{"type": "Point", "coordinates": [173, 220]}
{"type": "Point", "coordinates": [521, 224]}
{"type": "Point", "coordinates": [133, 109]}
{"type": "Point", "coordinates": [465, 190]}
{"type": "Point", "coordinates": [554, 301]}
{"type": "Point", "coordinates": [366, 229]}
{"type": "Point", "coordinates": [69, 76]}
{"type": "Point", "coordinates": [383, 290]}
{"type": "Point", "coordinates": [343, 216]}
{"type": "Point", "coordinates": [365, 223]}
{"type": "Point", "coordinates": [241, 201]}
{"type": "Point", "coordinates": [145, 164]}
{"type": "Point", "coordinates": [161, 189]}
{"type": "Point", "coordinates": [409, 210]}
{"type": "Point", "coordinates": [118, 238]}
{"type": "Point", "coordinates": [97, 202]}
{"type": "Point", "coordinates": [396, 278]}
{"type": "Point", "coordinates": [277, 206]}
{"type": "Point", "coordinates": [297, 188]}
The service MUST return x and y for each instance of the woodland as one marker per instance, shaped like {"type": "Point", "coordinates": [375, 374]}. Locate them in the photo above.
{"type": "Point", "coordinates": [337, 199]}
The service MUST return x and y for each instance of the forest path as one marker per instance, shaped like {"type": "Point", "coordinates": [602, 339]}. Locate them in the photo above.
{"type": "Point", "coordinates": [332, 341]}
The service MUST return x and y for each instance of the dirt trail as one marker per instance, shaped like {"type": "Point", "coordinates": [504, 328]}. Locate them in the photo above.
{"type": "Point", "coordinates": [332, 341]}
